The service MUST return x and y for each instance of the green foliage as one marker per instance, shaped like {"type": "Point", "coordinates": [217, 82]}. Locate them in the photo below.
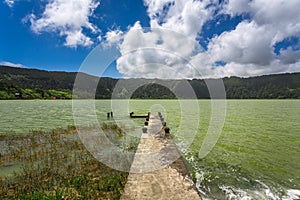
{"type": "Point", "coordinates": [39, 84]}
{"type": "Point", "coordinates": [30, 94]}
{"type": "Point", "coordinates": [153, 91]}
{"type": "Point", "coordinates": [60, 94]}
{"type": "Point", "coordinates": [56, 165]}
{"type": "Point", "coordinates": [20, 83]}
{"type": "Point", "coordinates": [4, 95]}
{"type": "Point", "coordinates": [280, 86]}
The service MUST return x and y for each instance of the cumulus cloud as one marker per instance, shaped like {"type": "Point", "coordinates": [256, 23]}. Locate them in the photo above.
{"type": "Point", "coordinates": [6, 63]}
{"type": "Point", "coordinates": [10, 3]}
{"type": "Point", "coordinates": [289, 56]}
{"type": "Point", "coordinates": [113, 37]}
{"type": "Point", "coordinates": [162, 50]}
{"type": "Point", "coordinates": [151, 53]}
{"type": "Point", "coordinates": [247, 44]}
{"type": "Point", "coordinates": [183, 16]}
{"type": "Point", "coordinates": [239, 7]}
{"type": "Point", "coordinates": [249, 49]}
{"type": "Point", "coordinates": [68, 19]}
{"type": "Point", "coordinates": [282, 15]}
{"type": "Point", "coordinates": [170, 47]}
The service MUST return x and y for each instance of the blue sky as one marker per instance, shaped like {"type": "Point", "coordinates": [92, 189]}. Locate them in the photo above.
{"type": "Point", "coordinates": [216, 38]}
{"type": "Point", "coordinates": [21, 46]}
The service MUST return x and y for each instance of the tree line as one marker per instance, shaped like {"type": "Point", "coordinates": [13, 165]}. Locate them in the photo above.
{"type": "Point", "coordinates": [22, 83]}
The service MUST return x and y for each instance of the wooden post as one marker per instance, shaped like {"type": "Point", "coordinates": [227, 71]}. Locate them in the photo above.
{"type": "Point", "coordinates": [111, 114]}
{"type": "Point", "coordinates": [131, 114]}
{"type": "Point", "coordinates": [108, 115]}
{"type": "Point", "coordinates": [146, 123]}
{"type": "Point", "coordinates": [144, 129]}
{"type": "Point", "coordinates": [167, 130]}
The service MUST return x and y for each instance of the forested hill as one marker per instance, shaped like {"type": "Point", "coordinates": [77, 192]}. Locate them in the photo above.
{"type": "Point", "coordinates": [22, 83]}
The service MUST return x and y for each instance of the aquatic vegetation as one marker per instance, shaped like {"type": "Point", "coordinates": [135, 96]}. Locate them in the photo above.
{"type": "Point", "coordinates": [56, 165]}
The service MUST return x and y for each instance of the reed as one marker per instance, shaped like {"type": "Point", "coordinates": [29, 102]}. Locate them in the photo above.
{"type": "Point", "coordinates": [56, 165]}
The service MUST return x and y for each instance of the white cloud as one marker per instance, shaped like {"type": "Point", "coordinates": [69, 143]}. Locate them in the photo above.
{"type": "Point", "coordinates": [289, 56]}
{"type": "Point", "coordinates": [6, 63]}
{"type": "Point", "coordinates": [283, 16]}
{"type": "Point", "coordinates": [247, 44]}
{"type": "Point", "coordinates": [156, 53]}
{"type": "Point", "coordinates": [68, 18]}
{"type": "Point", "coordinates": [182, 16]}
{"type": "Point", "coordinates": [162, 50]}
{"type": "Point", "coordinates": [10, 3]}
{"type": "Point", "coordinates": [237, 7]}
{"type": "Point", "coordinates": [76, 37]}
{"type": "Point", "coordinates": [165, 50]}
{"type": "Point", "coordinates": [113, 37]}
{"type": "Point", "coordinates": [249, 49]}
{"type": "Point", "coordinates": [153, 63]}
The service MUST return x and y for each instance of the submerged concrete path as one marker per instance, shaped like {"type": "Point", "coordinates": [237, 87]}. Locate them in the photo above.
{"type": "Point", "coordinates": [153, 173]}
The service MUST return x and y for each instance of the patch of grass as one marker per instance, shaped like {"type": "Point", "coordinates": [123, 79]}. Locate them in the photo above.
{"type": "Point", "coordinates": [56, 165]}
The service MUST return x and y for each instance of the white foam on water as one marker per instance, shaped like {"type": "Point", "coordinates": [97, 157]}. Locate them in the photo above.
{"type": "Point", "coordinates": [234, 193]}
{"type": "Point", "coordinates": [267, 191]}
{"type": "Point", "coordinates": [199, 179]}
{"type": "Point", "coordinates": [292, 194]}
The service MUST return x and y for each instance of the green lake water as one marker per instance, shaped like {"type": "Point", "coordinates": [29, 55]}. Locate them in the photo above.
{"type": "Point", "coordinates": [256, 157]}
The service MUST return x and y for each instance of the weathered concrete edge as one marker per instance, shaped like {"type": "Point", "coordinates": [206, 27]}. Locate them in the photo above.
{"type": "Point", "coordinates": [180, 165]}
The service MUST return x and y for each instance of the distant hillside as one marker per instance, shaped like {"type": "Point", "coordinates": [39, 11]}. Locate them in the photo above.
{"type": "Point", "coordinates": [41, 84]}
{"type": "Point", "coordinates": [22, 83]}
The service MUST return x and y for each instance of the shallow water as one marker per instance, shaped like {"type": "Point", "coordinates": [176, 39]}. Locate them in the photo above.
{"type": "Point", "coordinates": [256, 156]}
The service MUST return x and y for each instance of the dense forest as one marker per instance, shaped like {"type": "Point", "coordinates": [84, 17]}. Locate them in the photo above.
{"type": "Point", "coordinates": [23, 83]}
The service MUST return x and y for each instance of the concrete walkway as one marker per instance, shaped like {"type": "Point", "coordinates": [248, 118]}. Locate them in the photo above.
{"type": "Point", "coordinates": [157, 171]}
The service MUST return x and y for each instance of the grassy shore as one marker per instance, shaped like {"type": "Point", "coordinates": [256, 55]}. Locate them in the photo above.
{"type": "Point", "coordinates": [56, 165]}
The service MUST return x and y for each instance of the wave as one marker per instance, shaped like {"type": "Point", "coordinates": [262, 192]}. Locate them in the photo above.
{"type": "Point", "coordinates": [239, 194]}
{"type": "Point", "coordinates": [234, 193]}
{"type": "Point", "coordinates": [292, 194]}
{"type": "Point", "coordinates": [259, 189]}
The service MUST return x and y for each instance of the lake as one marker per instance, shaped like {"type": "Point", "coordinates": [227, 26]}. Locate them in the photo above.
{"type": "Point", "coordinates": [256, 157]}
